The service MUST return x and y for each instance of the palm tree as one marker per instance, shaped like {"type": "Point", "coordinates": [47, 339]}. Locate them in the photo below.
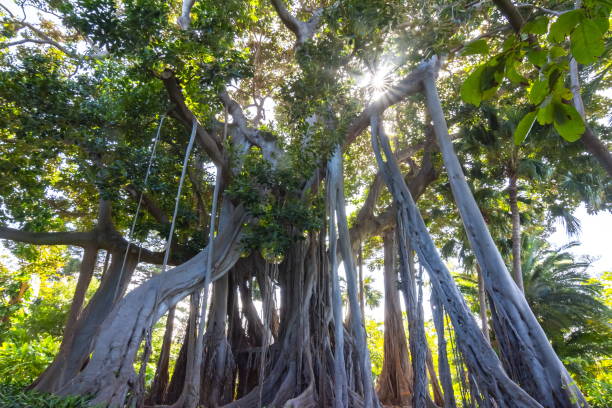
{"type": "Point", "coordinates": [566, 301]}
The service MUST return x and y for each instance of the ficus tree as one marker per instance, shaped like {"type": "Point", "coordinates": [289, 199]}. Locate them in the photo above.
{"type": "Point", "coordinates": [102, 98]}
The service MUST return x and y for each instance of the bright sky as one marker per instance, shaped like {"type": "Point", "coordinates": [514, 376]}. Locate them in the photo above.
{"type": "Point", "coordinates": [594, 239]}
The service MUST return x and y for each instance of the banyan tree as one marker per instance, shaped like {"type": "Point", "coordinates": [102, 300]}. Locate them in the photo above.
{"type": "Point", "coordinates": [220, 142]}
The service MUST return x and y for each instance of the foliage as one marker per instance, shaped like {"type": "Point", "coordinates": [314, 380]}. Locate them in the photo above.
{"type": "Point", "coordinates": [14, 396]}
{"type": "Point", "coordinates": [376, 345]}
{"type": "Point", "coordinates": [537, 59]}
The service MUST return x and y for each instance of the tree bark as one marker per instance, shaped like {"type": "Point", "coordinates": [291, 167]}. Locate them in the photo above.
{"type": "Point", "coordinates": [443, 366]}
{"type": "Point", "coordinates": [394, 385]}
{"type": "Point", "coordinates": [482, 305]}
{"type": "Point", "coordinates": [357, 327]}
{"type": "Point", "coordinates": [416, 329]}
{"type": "Point", "coordinates": [516, 231]}
{"type": "Point", "coordinates": [75, 349]}
{"type": "Point", "coordinates": [529, 356]}
{"type": "Point", "coordinates": [160, 381]}
{"type": "Point", "coordinates": [218, 362]}
{"type": "Point", "coordinates": [480, 357]}
{"type": "Point", "coordinates": [340, 383]}
{"type": "Point", "coordinates": [110, 371]}
{"type": "Point", "coordinates": [88, 264]}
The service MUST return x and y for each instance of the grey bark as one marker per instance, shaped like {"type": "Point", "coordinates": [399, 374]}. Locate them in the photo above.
{"type": "Point", "coordinates": [416, 329]}
{"type": "Point", "coordinates": [479, 355]}
{"type": "Point", "coordinates": [482, 304]}
{"type": "Point", "coordinates": [340, 384]}
{"type": "Point", "coordinates": [110, 371]}
{"type": "Point", "coordinates": [443, 366]}
{"type": "Point", "coordinates": [528, 355]}
{"type": "Point", "coordinates": [517, 271]}
{"type": "Point", "coordinates": [356, 321]}
{"type": "Point", "coordinates": [74, 352]}
{"type": "Point", "coordinates": [191, 392]}
{"type": "Point", "coordinates": [395, 382]}
{"type": "Point", "coordinates": [160, 381]}
{"type": "Point", "coordinates": [88, 264]}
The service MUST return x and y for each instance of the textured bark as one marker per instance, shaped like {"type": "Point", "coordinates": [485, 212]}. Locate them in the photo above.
{"type": "Point", "coordinates": [528, 355]}
{"type": "Point", "coordinates": [86, 270]}
{"type": "Point", "coordinates": [218, 362]}
{"type": "Point", "coordinates": [394, 386]}
{"type": "Point", "coordinates": [110, 372]}
{"type": "Point", "coordinates": [177, 383]}
{"type": "Point", "coordinates": [361, 287]}
{"type": "Point", "coordinates": [443, 366]}
{"type": "Point", "coordinates": [517, 271]}
{"type": "Point", "coordinates": [357, 327]}
{"type": "Point", "coordinates": [414, 314]}
{"type": "Point", "coordinates": [482, 304]}
{"type": "Point", "coordinates": [75, 349]}
{"type": "Point", "coordinates": [480, 357]}
{"type": "Point", "coordinates": [438, 398]}
{"type": "Point", "coordinates": [340, 384]}
{"type": "Point", "coordinates": [160, 381]}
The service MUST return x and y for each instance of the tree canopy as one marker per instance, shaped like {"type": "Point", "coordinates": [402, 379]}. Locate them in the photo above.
{"type": "Point", "coordinates": [497, 115]}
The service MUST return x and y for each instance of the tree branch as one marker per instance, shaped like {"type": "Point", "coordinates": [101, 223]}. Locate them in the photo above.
{"type": "Point", "coordinates": [74, 238]}
{"type": "Point", "coordinates": [185, 19]}
{"type": "Point", "coordinates": [303, 30]}
{"type": "Point", "coordinates": [206, 140]}
{"type": "Point", "coordinates": [43, 39]}
{"type": "Point", "coordinates": [512, 13]}
{"type": "Point", "coordinates": [149, 204]}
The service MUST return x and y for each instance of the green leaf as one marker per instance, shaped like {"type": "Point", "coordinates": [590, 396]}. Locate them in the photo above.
{"type": "Point", "coordinates": [545, 113]}
{"type": "Point", "coordinates": [586, 42]}
{"type": "Point", "coordinates": [538, 92]}
{"type": "Point", "coordinates": [564, 25]}
{"type": "Point", "coordinates": [523, 128]}
{"type": "Point", "coordinates": [470, 89]}
{"type": "Point", "coordinates": [476, 47]}
{"type": "Point", "coordinates": [536, 26]}
{"type": "Point", "coordinates": [536, 57]}
{"type": "Point", "coordinates": [556, 52]}
{"type": "Point", "coordinates": [568, 122]}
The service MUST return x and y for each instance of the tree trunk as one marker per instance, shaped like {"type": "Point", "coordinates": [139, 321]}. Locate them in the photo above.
{"type": "Point", "coordinates": [75, 349]}
{"type": "Point", "coordinates": [480, 357]}
{"type": "Point", "coordinates": [160, 381]}
{"type": "Point", "coordinates": [357, 327]}
{"type": "Point", "coordinates": [416, 329]}
{"type": "Point", "coordinates": [177, 383]}
{"type": "Point", "coordinates": [396, 378]}
{"type": "Point", "coordinates": [443, 366]}
{"type": "Point", "coordinates": [482, 305]}
{"type": "Point", "coordinates": [340, 383]}
{"type": "Point", "coordinates": [110, 372]}
{"type": "Point", "coordinates": [361, 285]}
{"type": "Point", "coordinates": [438, 397]}
{"type": "Point", "coordinates": [529, 356]}
{"type": "Point", "coordinates": [218, 363]}
{"type": "Point", "coordinates": [516, 231]}
{"type": "Point", "coordinates": [88, 264]}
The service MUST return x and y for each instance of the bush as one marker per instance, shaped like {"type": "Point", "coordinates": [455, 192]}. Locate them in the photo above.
{"type": "Point", "coordinates": [14, 396]}
{"type": "Point", "coordinates": [21, 361]}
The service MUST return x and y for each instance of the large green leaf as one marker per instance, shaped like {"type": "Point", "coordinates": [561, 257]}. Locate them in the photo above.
{"type": "Point", "coordinates": [564, 25]}
{"type": "Point", "coordinates": [545, 113]}
{"type": "Point", "coordinates": [568, 122]}
{"type": "Point", "coordinates": [538, 92]}
{"type": "Point", "coordinates": [586, 42]}
{"type": "Point", "coordinates": [476, 47]}
{"type": "Point", "coordinates": [537, 26]}
{"type": "Point", "coordinates": [523, 128]}
{"type": "Point", "coordinates": [470, 89]}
